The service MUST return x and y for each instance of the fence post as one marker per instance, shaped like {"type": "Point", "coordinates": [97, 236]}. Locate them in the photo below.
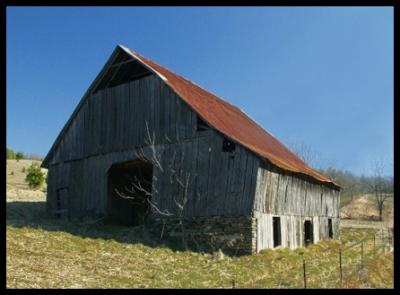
{"type": "Point", "coordinates": [304, 274]}
{"type": "Point", "coordinates": [390, 240]}
{"type": "Point", "coordinates": [340, 265]}
{"type": "Point", "coordinates": [233, 284]}
{"type": "Point", "coordinates": [374, 246]}
{"type": "Point", "coordinates": [362, 254]}
{"type": "Point", "coordinates": [384, 244]}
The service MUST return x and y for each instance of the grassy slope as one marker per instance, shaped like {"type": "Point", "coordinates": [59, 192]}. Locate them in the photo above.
{"type": "Point", "coordinates": [16, 174]}
{"type": "Point", "coordinates": [81, 255]}
{"type": "Point", "coordinates": [42, 253]}
{"type": "Point", "coordinates": [364, 207]}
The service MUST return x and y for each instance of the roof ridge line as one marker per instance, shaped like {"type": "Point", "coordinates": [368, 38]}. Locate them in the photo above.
{"type": "Point", "coordinates": [136, 54]}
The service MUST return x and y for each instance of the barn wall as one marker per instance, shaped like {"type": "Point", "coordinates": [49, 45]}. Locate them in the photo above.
{"type": "Point", "coordinates": [283, 194]}
{"type": "Point", "coordinates": [292, 230]}
{"type": "Point", "coordinates": [218, 184]}
{"type": "Point", "coordinates": [114, 119]}
{"type": "Point", "coordinates": [110, 129]}
{"type": "Point", "coordinates": [294, 200]}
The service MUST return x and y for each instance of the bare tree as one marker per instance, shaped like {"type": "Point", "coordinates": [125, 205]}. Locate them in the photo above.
{"type": "Point", "coordinates": [306, 153]}
{"type": "Point", "coordinates": [351, 189]}
{"type": "Point", "coordinates": [376, 185]}
{"type": "Point", "coordinates": [141, 190]}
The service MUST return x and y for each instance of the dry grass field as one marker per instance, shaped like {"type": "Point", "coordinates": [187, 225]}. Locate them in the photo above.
{"type": "Point", "coordinates": [363, 207]}
{"type": "Point", "coordinates": [45, 253]}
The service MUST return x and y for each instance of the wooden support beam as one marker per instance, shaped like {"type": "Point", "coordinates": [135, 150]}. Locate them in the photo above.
{"type": "Point", "coordinates": [114, 74]}
{"type": "Point", "coordinates": [122, 63]}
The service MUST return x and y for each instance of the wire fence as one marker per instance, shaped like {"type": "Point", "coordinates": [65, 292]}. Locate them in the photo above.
{"type": "Point", "coordinates": [352, 258]}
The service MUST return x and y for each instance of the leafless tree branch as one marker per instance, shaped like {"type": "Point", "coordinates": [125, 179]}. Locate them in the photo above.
{"type": "Point", "coordinates": [144, 190]}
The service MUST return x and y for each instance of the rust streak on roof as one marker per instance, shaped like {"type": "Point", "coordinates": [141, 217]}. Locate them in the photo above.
{"type": "Point", "coordinates": [232, 122]}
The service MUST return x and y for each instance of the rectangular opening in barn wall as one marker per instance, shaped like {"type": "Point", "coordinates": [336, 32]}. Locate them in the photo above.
{"type": "Point", "coordinates": [276, 224]}
{"type": "Point", "coordinates": [308, 233]}
{"type": "Point", "coordinates": [129, 190]}
{"type": "Point", "coordinates": [201, 125]}
{"type": "Point", "coordinates": [61, 206]}
{"type": "Point", "coordinates": [229, 147]}
{"type": "Point", "coordinates": [330, 230]}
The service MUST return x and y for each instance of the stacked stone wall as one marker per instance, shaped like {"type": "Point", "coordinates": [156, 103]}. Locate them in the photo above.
{"type": "Point", "coordinates": [233, 235]}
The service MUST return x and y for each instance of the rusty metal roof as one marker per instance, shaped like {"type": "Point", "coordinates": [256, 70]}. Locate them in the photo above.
{"type": "Point", "coordinates": [231, 121]}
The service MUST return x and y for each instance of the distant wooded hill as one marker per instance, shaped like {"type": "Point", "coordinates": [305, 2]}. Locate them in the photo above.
{"type": "Point", "coordinates": [355, 185]}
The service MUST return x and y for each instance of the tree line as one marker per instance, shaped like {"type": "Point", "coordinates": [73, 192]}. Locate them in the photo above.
{"type": "Point", "coordinates": [354, 184]}
{"type": "Point", "coordinates": [378, 184]}
{"type": "Point", "coordinates": [13, 155]}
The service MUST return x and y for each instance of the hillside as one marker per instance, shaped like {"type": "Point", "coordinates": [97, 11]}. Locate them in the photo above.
{"type": "Point", "coordinates": [17, 188]}
{"type": "Point", "coordinates": [363, 207]}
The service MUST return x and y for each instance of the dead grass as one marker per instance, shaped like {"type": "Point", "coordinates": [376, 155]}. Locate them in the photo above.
{"type": "Point", "coordinates": [16, 173]}
{"type": "Point", "coordinates": [363, 207]}
{"type": "Point", "coordinates": [66, 255]}
{"type": "Point", "coordinates": [44, 253]}
{"type": "Point", "coordinates": [380, 271]}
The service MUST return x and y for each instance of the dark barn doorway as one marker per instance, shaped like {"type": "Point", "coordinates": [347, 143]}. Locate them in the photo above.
{"type": "Point", "coordinates": [124, 180]}
{"type": "Point", "coordinates": [330, 229]}
{"type": "Point", "coordinates": [308, 233]}
{"type": "Point", "coordinates": [276, 226]}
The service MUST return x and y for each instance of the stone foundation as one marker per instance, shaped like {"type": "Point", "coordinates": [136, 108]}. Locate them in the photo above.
{"type": "Point", "coordinates": [233, 235]}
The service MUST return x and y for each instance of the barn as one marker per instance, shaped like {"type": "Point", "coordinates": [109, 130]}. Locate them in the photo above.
{"type": "Point", "coordinates": [146, 146]}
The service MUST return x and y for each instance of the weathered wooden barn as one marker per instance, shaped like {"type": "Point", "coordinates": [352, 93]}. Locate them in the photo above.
{"type": "Point", "coordinates": [193, 156]}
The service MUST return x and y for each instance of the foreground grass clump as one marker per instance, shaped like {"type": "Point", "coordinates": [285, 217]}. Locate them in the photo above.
{"type": "Point", "coordinates": [48, 254]}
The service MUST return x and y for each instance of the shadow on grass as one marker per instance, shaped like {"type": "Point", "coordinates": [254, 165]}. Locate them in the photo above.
{"type": "Point", "coordinates": [33, 215]}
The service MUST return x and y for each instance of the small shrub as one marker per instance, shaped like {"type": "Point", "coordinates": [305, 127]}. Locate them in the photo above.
{"type": "Point", "coordinates": [35, 177]}
{"type": "Point", "coordinates": [19, 156]}
{"type": "Point", "coordinates": [10, 154]}
{"type": "Point", "coordinates": [23, 170]}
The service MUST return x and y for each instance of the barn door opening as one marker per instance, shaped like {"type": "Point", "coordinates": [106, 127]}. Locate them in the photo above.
{"type": "Point", "coordinates": [276, 225]}
{"type": "Point", "coordinates": [129, 192]}
{"type": "Point", "coordinates": [330, 230]}
{"type": "Point", "coordinates": [308, 232]}
{"type": "Point", "coordinates": [61, 206]}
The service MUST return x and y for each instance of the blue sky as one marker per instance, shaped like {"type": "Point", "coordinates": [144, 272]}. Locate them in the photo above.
{"type": "Point", "coordinates": [320, 76]}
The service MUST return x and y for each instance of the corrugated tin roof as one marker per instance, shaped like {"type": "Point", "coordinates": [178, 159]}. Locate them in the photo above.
{"type": "Point", "coordinates": [231, 121]}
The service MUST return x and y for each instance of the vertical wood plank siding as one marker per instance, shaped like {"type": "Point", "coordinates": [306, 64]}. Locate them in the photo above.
{"type": "Point", "coordinates": [110, 127]}
{"type": "Point", "coordinates": [283, 194]}
{"type": "Point", "coordinates": [294, 200]}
